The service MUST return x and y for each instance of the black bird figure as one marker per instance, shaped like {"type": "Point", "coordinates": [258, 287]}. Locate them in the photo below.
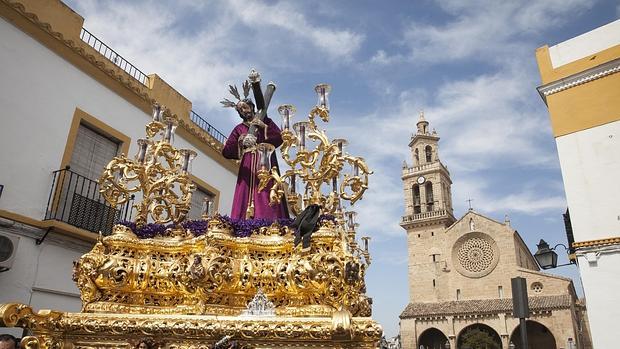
{"type": "Point", "coordinates": [305, 224]}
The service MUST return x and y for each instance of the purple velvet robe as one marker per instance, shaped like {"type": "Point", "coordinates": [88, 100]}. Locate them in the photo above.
{"type": "Point", "coordinates": [232, 150]}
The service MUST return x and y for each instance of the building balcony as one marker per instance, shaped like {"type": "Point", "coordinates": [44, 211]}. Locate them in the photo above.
{"type": "Point", "coordinates": [412, 218]}
{"type": "Point", "coordinates": [407, 171]}
{"type": "Point", "coordinates": [76, 200]}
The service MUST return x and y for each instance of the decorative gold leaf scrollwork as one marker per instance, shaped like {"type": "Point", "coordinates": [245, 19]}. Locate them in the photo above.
{"type": "Point", "coordinates": [158, 175]}
{"type": "Point", "coordinates": [314, 167]}
{"type": "Point", "coordinates": [218, 272]}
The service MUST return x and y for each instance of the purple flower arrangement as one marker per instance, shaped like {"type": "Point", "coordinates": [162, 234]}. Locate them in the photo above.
{"type": "Point", "coordinates": [147, 231]}
{"type": "Point", "coordinates": [240, 227]}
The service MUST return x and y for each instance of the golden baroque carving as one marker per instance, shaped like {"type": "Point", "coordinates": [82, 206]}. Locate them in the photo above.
{"type": "Point", "coordinates": [84, 330]}
{"type": "Point", "coordinates": [219, 274]}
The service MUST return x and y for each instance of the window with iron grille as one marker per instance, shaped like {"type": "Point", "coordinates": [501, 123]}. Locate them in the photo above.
{"type": "Point", "coordinates": [77, 199]}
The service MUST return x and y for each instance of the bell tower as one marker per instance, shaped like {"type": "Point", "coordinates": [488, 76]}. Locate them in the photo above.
{"type": "Point", "coordinates": [428, 211]}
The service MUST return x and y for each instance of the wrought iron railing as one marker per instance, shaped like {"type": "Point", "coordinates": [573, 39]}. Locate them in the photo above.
{"type": "Point", "coordinates": [113, 56]}
{"type": "Point", "coordinates": [205, 125]}
{"type": "Point", "coordinates": [76, 200]}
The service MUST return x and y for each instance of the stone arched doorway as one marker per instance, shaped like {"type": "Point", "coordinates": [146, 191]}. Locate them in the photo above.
{"type": "Point", "coordinates": [478, 336]}
{"type": "Point", "coordinates": [432, 338]}
{"type": "Point", "coordinates": [538, 336]}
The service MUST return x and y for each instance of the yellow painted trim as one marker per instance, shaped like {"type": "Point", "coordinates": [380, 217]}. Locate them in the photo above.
{"type": "Point", "coordinates": [21, 219]}
{"type": "Point", "coordinates": [82, 117]}
{"type": "Point", "coordinates": [60, 227]}
{"type": "Point", "coordinates": [549, 74]}
{"type": "Point", "coordinates": [59, 16]}
{"type": "Point", "coordinates": [585, 106]}
{"type": "Point", "coordinates": [208, 188]}
{"type": "Point", "coordinates": [544, 63]}
{"type": "Point", "coordinates": [597, 243]}
{"type": "Point", "coordinates": [60, 37]}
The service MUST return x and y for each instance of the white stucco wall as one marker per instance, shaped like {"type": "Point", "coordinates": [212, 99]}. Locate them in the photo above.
{"type": "Point", "coordinates": [590, 162]}
{"type": "Point", "coordinates": [600, 286]}
{"type": "Point", "coordinates": [40, 93]}
{"type": "Point", "coordinates": [586, 44]}
{"type": "Point", "coordinates": [41, 274]}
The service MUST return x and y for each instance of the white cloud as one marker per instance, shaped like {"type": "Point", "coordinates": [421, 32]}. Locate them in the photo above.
{"type": "Point", "coordinates": [488, 120]}
{"type": "Point", "coordinates": [198, 63]}
{"type": "Point", "coordinates": [530, 200]}
{"type": "Point", "coordinates": [337, 43]}
{"type": "Point", "coordinates": [382, 58]}
{"type": "Point", "coordinates": [486, 30]}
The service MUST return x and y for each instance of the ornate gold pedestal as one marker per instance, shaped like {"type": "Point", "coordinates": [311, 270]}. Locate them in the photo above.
{"type": "Point", "coordinates": [190, 292]}
{"type": "Point", "coordinates": [97, 330]}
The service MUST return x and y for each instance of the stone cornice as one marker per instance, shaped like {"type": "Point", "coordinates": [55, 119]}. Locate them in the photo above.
{"type": "Point", "coordinates": [584, 77]}
{"type": "Point", "coordinates": [423, 136]}
{"type": "Point", "coordinates": [415, 171]}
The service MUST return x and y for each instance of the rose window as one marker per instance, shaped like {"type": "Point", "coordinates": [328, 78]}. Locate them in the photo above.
{"type": "Point", "coordinates": [476, 255]}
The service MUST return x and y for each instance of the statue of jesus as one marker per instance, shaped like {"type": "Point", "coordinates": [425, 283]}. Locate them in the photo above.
{"type": "Point", "coordinates": [248, 201]}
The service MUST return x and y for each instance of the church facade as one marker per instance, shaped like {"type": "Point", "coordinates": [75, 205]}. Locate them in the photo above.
{"type": "Point", "coordinates": [460, 270]}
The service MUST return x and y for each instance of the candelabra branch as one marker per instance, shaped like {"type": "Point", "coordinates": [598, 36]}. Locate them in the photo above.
{"type": "Point", "coordinates": [159, 171]}
{"type": "Point", "coordinates": [317, 162]}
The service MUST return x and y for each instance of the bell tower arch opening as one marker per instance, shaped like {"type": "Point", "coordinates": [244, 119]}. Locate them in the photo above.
{"type": "Point", "coordinates": [428, 153]}
{"type": "Point", "coordinates": [430, 200]}
{"type": "Point", "coordinates": [417, 208]}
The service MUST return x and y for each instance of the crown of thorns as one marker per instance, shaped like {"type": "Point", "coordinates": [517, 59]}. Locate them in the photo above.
{"type": "Point", "coordinates": [227, 103]}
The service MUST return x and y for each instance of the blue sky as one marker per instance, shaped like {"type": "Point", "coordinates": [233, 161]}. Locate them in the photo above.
{"type": "Point", "coordinates": [469, 65]}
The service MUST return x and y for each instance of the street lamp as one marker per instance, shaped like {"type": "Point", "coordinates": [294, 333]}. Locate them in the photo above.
{"type": "Point", "coordinates": [547, 258]}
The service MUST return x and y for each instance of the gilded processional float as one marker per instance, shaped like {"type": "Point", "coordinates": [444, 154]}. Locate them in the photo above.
{"type": "Point", "coordinates": [163, 281]}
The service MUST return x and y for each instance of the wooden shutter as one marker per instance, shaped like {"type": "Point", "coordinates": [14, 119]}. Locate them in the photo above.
{"type": "Point", "coordinates": [92, 152]}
